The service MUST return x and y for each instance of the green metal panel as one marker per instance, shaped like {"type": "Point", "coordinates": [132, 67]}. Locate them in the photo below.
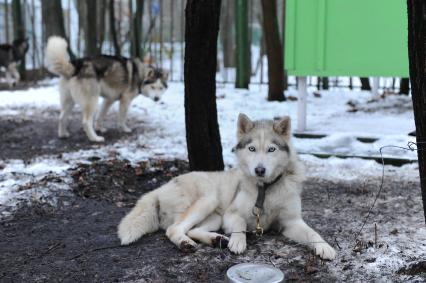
{"type": "Point", "coordinates": [346, 38]}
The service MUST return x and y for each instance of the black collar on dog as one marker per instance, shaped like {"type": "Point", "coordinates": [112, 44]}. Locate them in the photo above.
{"type": "Point", "coordinates": [261, 190]}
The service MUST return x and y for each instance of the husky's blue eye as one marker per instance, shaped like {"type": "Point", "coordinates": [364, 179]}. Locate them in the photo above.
{"type": "Point", "coordinates": [271, 149]}
{"type": "Point", "coordinates": [252, 148]}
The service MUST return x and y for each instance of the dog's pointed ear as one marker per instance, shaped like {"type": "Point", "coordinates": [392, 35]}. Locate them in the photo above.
{"type": "Point", "coordinates": [283, 126]}
{"type": "Point", "coordinates": [245, 125]}
{"type": "Point", "coordinates": [150, 73]}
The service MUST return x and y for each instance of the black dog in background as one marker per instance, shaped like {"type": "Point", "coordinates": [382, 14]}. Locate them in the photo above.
{"type": "Point", "coordinates": [10, 55]}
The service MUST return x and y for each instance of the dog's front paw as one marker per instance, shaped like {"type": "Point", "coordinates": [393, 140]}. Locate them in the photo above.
{"type": "Point", "coordinates": [324, 251]}
{"type": "Point", "coordinates": [64, 135]}
{"type": "Point", "coordinates": [98, 139]}
{"type": "Point", "coordinates": [126, 129]}
{"type": "Point", "coordinates": [237, 244]}
{"type": "Point", "coordinates": [219, 240]}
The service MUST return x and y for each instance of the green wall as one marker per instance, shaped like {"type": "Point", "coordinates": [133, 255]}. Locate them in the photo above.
{"type": "Point", "coordinates": [346, 38]}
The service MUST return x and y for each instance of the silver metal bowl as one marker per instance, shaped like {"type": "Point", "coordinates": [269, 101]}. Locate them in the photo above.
{"type": "Point", "coordinates": [254, 273]}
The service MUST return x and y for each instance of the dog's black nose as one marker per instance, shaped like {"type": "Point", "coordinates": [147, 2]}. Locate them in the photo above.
{"type": "Point", "coordinates": [156, 99]}
{"type": "Point", "coordinates": [260, 171]}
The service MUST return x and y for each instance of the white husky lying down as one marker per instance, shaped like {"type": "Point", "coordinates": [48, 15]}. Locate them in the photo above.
{"type": "Point", "coordinates": [191, 206]}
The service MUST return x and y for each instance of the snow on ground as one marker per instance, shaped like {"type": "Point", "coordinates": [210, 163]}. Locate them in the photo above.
{"type": "Point", "coordinates": [165, 137]}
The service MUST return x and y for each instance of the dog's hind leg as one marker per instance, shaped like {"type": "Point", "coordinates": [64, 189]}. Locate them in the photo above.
{"type": "Point", "coordinates": [203, 231]}
{"type": "Point", "coordinates": [67, 104]}
{"type": "Point", "coordinates": [88, 117]}
{"type": "Point", "coordinates": [9, 79]}
{"type": "Point", "coordinates": [13, 73]}
{"type": "Point", "coordinates": [122, 114]}
{"type": "Point", "coordinates": [86, 94]}
{"type": "Point", "coordinates": [195, 214]}
{"type": "Point", "coordinates": [106, 104]}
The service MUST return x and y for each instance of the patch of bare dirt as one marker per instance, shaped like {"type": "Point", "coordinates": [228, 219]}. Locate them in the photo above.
{"type": "Point", "coordinates": [35, 134]}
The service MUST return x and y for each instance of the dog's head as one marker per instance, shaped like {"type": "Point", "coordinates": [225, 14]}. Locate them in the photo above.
{"type": "Point", "coordinates": [264, 148]}
{"type": "Point", "coordinates": [154, 83]}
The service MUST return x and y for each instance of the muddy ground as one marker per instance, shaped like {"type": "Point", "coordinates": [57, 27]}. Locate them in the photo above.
{"type": "Point", "coordinates": [71, 236]}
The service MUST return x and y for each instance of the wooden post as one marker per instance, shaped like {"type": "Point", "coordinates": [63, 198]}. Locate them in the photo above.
{"type": "Point", "coordinates": [375, 88]}
{"type": "Point", "coordinates": [301, 103]}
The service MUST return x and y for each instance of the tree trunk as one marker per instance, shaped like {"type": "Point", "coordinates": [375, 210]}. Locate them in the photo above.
{"type": "Point", "coordinates": [90, 32]}
{"type": "Point", "coordinates": [365, 84]}
{"type": "Point", "coordinates": [18, 30]}
{"type": "Point", "coordinates": [273, 51]}
{"type": "Point", "coordinates": [202, 129]}
{"type": "Point", "coordinates": [325, 83]}
{"type": "Point", "coordinates": [417, 63]}
{"type": "Point", "coordinates": [404, 86]}
{"type": "Point", "coordinates": [283, 41]}
{"type": "Point", "coordinates": [53, 20]}
{"type": "Point", "coordinates": [100, 25]}
{"type": "Point", "coordinates": [227, 34]}
{"type": "Point", "coordinates": [137, 30]}
{"type": "Point", "coordinates": [6, 19]}
{"type": "Point", "coordinates": [113, 30]}
{"type": "Point", "coordinates": [242, 44]}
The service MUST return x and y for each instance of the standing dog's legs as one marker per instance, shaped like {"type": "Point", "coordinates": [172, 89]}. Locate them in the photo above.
{"type": "Point", "coordinates": [9, 78]}
{"type": "Point", "coordinates": [203, 232]}
{"type": "Point", "coordinates": [298, 231]}
{"type": "Point", "coordinates": [67, 104]}
{"type": "Point", "coordinates": [195, 214]}
{"type": "Point", "coordinates": [122, 115]}
{"type": "Point", "coordinates": [86, 92]}
{"type": "Point", "coordinates": [12, 71]}
{"type": "Point", "coordinates": [106, 104]}
{"type": "Point", "coordinates": [88, 116]}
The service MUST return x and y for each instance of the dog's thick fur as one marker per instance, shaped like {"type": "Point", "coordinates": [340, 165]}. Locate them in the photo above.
{"type": "Point", "coordinates": [114, 78]}
{"type": "Point", "coordinates": [190, 207]}
{"type": "Point", "coordinates": [10, 55]}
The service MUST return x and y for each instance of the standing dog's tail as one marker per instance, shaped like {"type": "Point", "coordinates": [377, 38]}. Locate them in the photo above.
{"type": "Point", "coordinates": [57, 57]}
{"type": "Point", "coordinates": [142, 219]}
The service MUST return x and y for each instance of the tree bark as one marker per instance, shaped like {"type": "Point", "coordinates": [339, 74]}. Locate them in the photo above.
{"type": "Point", "coordinates": [227, 34]}
{"type": "Point", "coordinates": [6, 19]}
{"type": "Point", "coordinates": [19, 31]}
{"type": "Point", "coordinates": [325, 83]}
{"type": "Point", "coordinates": [242, 44]}
{"type": "Point", "coordinates": [274, 51]}
{"type": "Point", "coordinates": [365, 84]}
{"type": "Point", "coordinates": [283, 41]}
{"type": "Point", "coordinates": [202, 129]}
{"type": "Point", "coordinates": [137, 30]}
{"type": "Point", "coordinates": [90, 33]}
{"type": "Point", "coordinates": [404, 86]}
{"type": "Point", "coordinates": [53, 20]}
{"type": "Point", "coordinates": [113, 30]}
{"type": "Point", "coordinates": [417, 63]}
{"type": "Point", "coordinates": [100, 25]}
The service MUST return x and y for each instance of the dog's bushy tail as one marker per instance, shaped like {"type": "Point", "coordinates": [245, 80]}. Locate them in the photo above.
{"type": "Point", "coordinates": [142, 219]}
{"type": "Point", "coordinates": [57, 57]}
